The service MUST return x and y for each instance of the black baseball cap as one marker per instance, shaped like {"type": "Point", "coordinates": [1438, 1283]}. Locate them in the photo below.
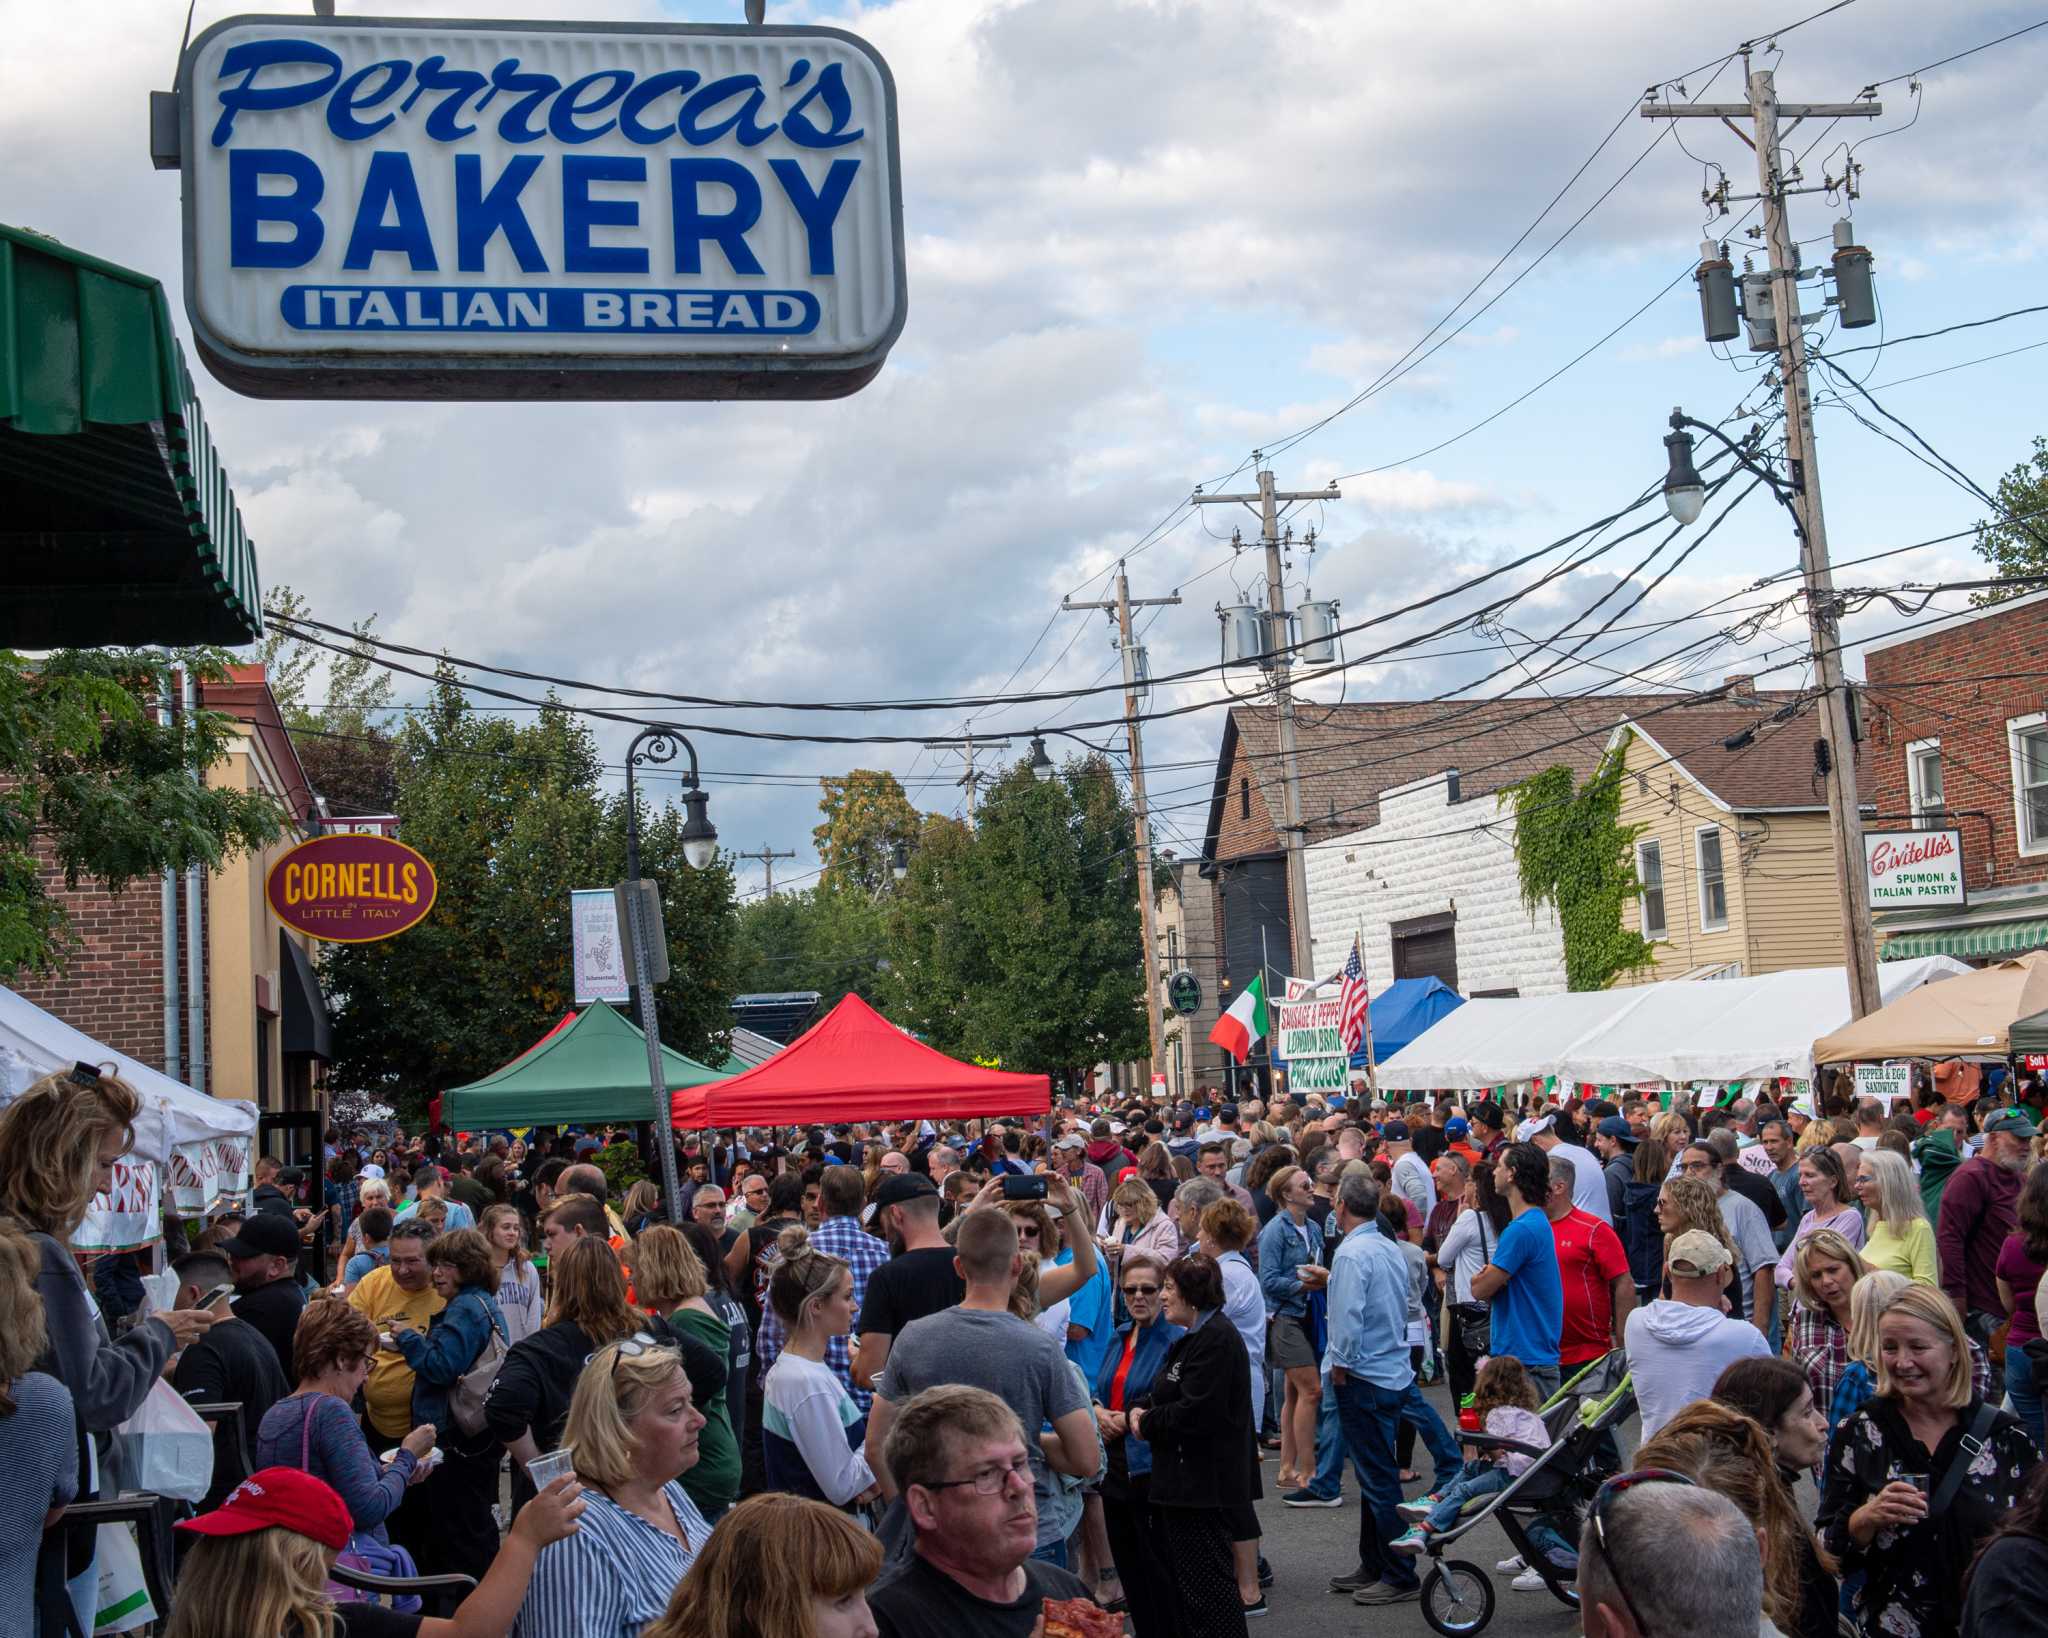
{"type": "Point", "coordinates": [264, 1234]}
{"type": "Point", "coordinates": [901, 1186]}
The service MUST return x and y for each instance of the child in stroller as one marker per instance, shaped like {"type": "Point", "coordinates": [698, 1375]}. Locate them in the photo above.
{"type": "Point", "coordinates": [1504, 1405]}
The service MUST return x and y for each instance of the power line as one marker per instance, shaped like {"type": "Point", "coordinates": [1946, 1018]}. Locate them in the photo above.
{"type": "Point", "coordinates": [1956, 57]}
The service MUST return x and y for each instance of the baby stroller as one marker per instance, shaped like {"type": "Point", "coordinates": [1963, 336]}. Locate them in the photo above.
{"type": "Point", "coordinates": [1556, 1488]}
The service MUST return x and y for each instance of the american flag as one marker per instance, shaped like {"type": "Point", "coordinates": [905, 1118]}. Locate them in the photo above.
{"type": "Point", "coordinates": [1352, 1002]}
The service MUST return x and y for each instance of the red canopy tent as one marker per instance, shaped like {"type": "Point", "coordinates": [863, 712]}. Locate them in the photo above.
{"type": "Point", "coordinates": [853, 1064]}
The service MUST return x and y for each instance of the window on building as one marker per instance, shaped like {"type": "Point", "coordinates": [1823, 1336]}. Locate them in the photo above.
{"type": "Point", "coordinates": [1713, 884]}
{"type": "Point", "coordinates": [1923, 775]}
{"type": "Point", "coordinates": [2030, 781]}
{"type": "Point", "coordinates": [1650, 873]}
{"type": "Point", "coordinates": [1244, 799]}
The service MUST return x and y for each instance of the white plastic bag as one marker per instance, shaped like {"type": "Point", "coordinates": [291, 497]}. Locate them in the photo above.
{"type": "Point", "coordinates": [123, 1603]}
{"type": "Point", "coordinates": [165, 1448]}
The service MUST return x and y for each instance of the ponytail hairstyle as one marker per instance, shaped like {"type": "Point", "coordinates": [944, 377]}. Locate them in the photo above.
{"type": "Point", "coordinates": [803, 1278]}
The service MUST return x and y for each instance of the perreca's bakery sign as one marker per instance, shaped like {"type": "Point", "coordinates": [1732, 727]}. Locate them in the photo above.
{"type": "Point", "coordinates": [390, 209]}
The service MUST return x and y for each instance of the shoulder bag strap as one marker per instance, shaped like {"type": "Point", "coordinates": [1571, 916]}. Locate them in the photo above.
{"type": "Point", "coordinates": [1967, 1450]}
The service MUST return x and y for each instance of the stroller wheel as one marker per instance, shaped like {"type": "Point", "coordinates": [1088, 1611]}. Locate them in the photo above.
{"type": "Point", "coordinates": [1457, 1597]}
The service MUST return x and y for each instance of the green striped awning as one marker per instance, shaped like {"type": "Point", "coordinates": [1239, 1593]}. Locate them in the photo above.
{"type": "Point", "coordinates": [117, 520]}
{"type": "Point", "coordinates": [1995, 939]}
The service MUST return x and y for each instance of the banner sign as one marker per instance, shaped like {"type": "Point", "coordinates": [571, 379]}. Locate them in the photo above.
{"type": "Point", "coordinates": [1888, 1081]}
{"type": "Point", "coordinates": [1184, 992]}
{"type": "Point", "coordinates": [1318, 1074]}
{"type": "Point", "coordinates": [129, 1214]}
{"type": "Point", "coordinates": [598, 953]}
{"type": "Point", "coordinates": [202, 1173]}
{"type": "Point", "coordinates": [360, 824]}
{"type": "Point", "coordinates": [351, 889]}
{"type": "Point", "coordinates": [1310, 1040]}
{"type": "Point", "coordinates": [1907, 869]}
{"type": "Point", "coordinates": [480, 210]}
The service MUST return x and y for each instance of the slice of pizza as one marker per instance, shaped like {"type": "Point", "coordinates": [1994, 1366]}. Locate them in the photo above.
{"type": "Point", "coordinates": [1080, 1618]}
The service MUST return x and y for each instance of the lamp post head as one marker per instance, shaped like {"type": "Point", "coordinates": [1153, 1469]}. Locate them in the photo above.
{"type": "Point", "coordinates": [700, 837]}
{"type": "Point", "coordinates": [1040, 764]}
{"type": "Point", "coordinates": [899, 861]}
{"type": "Point", "coordinates": [1685, 495]}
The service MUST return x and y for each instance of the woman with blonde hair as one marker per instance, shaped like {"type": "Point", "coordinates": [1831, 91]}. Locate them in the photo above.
{"type": "Point", "coordinates": [1825, 1271]}
{"type": "Point", "coordinates": [1722, 1449]}
{"type": "Point", "coordinates": [1688, 1203]}
{"type": "Point", "coordinates": [1919, 1476]}
{"type": "Point", "coordinates": [59, 1143]}
{"type": "Point", "coordinates": [811, 1433]}
{"type": "Point", "coordinates": [777, 1567]}
{"type": "Point", "coordinates": [668, 1279]}
{"type": "Point", "coordinates": [1897, 1234]}
{"type": "Point", "coordinates": [38, 1436]}
{"type": "Point", "coordinates": [518, 1293]}
{"type": "Point", "coordinates": [642, 1207]}
{"type": "Point", "coordinates": [1142, 1224]}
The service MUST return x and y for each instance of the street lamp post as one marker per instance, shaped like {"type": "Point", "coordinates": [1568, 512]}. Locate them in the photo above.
{"type": "Point", "coordinates": [658, 745]}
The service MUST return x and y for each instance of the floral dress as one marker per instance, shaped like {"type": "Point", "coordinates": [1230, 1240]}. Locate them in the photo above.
{"type": "Point", "coordinates": [1913, 1577]}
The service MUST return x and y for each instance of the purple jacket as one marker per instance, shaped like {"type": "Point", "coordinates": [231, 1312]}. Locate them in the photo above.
{"type": "Point", "coordinates": [1978, 1209]}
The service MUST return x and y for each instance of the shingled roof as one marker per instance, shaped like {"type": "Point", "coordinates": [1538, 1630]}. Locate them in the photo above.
{"type": "Point", "coordinates": [1351, 753]}
{"type": "Point", "coordinates": [1774, 773]}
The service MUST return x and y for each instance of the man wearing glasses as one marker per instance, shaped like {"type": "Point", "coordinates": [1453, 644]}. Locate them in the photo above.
{"type": "Point", "coordinates": [958, 1457]}
{"type": "Point", "coordinates": [1631, 1585]}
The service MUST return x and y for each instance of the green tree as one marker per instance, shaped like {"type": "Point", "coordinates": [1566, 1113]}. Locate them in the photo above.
{"type": "Point", "coordinates": [342, 737]}
{"type": "Point", "coordinates": [867, 817]}
{"type": "Point", "coordinates": [1020, 940]}
{"type": "Point", "coordinates": [1573, 852]}
{"type": "Point", "coordinates": [2018, 546]}
{"type": "Point", "coordinates": [513, 816]}
{"type": "Point", "coordinates": [832, 940]}
{"type": "Point", "coordinates": [90, 782]}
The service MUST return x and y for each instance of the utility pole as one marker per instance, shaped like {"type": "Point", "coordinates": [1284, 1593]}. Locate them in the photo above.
{"type": "Point", "coordinates": [1292, 832]}
{"type": "Point", "coordinates": [767, 855]}
{"type": "Point", "coordinates": [967, 745]}
{"type": "Point", "coordinates": [1121, 608]}
{"type": "Point", "coordinates": [1775, 179]}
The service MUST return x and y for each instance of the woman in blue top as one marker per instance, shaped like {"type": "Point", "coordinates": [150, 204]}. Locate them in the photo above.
{"type": "Point", "coordinates": [1289, 1240]}
{"type": "Point", "coordinates": [1127, 1372]}
{"type": "Point", "coordinates": [449, 1522]}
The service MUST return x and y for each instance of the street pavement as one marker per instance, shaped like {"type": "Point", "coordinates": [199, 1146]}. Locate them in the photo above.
{"type": "Point", "coordinates": [1308, 1545]}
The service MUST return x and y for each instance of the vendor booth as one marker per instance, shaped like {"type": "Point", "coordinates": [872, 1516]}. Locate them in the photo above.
{"type": "Point", "coordinates": [853, 1064]}
{"type": "Point", "coordinates": [191, 1151]}
{"type": "Point", "coordinates": [1972, 1016]}
{"type": "Point", "coordinates": [589, 1069]}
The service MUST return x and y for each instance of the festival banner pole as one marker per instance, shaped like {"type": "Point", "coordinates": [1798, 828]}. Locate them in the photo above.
{"type": "Point", "coordinates": [1372, 1074]}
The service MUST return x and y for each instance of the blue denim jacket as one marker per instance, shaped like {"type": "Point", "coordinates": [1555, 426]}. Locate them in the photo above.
{"type": "Point", "coordinates": [1153, 1342]}
{"type": "Point", "coordinates": [453, 1340]}
{"type": "Point", "coordinates": [1280, 1253]}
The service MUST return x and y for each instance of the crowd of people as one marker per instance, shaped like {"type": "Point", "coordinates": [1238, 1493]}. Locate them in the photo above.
{"type": "Point", "coordinates": [1038, 1378]}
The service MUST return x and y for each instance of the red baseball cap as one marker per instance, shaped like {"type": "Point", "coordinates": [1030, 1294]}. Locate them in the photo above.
{"type": "Point", "coordinates": [280, 1498]}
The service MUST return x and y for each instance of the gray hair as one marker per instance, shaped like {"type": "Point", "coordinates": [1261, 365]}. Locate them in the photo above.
{"type": "Point", "coordinates": [1714, 1588]}
{"type": "Point", "coordinates": [1359, 1194]}
{"type": "Point", "coordinates": [1198, 1194]}
{"type": "Point", "coordinates": [1562, 1172]}
{"type": "Point", "coordinates": [944, 1155]}
{"type": "Point", "coordinates": [1724, 1143]}
{"type": "Point", "coordinates": [412, 1228]}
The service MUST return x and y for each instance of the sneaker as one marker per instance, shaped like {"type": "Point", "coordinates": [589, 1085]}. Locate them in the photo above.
{"type": "Point", "coordinates": [1360, 1577]}
{"type": "Point", "coordinates": [1530, 1581]}
{"type": "Point", "coordinates": [1412, 1541]}
{"type": "Point", "coordinates": [1511, 1566]}
{"type": "Point", "coordinates": [1308, 1498]}
{"type": "Point", "coordinates": [1381, 1592]}
{"type": "Point", "coordinates": [1420, 1508]}
{"type": "Point", "coordinates": [1253, 1611]}
{"type": "Point", "coordinates": [1265, 1572]}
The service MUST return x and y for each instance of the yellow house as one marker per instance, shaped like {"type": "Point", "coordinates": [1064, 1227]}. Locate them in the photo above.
{"type": "Point", "coordinates": [1733, 851]}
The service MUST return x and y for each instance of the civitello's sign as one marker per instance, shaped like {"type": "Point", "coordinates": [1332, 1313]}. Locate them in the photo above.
{"type": "Point", "coordinates": [493, 210]}
{"type": "Point", "coordinates": [1913, 868]}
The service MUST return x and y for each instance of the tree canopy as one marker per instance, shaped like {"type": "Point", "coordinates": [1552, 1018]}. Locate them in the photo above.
{"type": "Point", "coordinates": [342, 736]}
{"type": "Point", "coordinates": [2016, 543]}
{"type": "Point", "coordinates": [866, 818]}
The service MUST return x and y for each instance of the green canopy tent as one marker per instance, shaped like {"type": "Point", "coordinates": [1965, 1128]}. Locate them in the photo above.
{"type": "Point", "coordinates": [588, 1071]}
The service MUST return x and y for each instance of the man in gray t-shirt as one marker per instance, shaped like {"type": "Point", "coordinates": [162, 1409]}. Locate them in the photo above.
{"type": "Point", "coordinates": [982, 1345]}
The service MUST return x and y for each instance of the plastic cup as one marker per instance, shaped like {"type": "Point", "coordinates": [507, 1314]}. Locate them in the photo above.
{"type": "Point", "coordinates": [545, 1470]}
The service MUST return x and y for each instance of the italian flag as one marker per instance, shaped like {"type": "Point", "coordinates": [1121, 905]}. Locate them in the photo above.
{"type": "Point", "coordinates": [1244, 1025]}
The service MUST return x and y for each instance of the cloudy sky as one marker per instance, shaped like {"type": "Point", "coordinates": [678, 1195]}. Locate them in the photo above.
{"type": "Point", "coordinates": [1144, 240]}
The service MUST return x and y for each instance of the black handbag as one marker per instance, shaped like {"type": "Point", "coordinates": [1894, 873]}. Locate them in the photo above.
{"type": "Point", "coordinates": [1474, 1320]}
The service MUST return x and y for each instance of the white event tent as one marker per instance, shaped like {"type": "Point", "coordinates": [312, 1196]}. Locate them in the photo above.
{"type": "Point", "coordinates": [1677, 1031]}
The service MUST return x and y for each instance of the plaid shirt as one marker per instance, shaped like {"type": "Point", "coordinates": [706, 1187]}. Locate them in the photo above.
{"type": "Point", "coordinates": [844, 1238]}
{"type": "Point", "coordinates": [1821, 1348]}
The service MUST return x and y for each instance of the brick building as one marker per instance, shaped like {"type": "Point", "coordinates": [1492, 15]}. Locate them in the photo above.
{"type": "Point", "coordinates": [1954, 742]}
{"type": "Point", "coordinates": [265, 1027]}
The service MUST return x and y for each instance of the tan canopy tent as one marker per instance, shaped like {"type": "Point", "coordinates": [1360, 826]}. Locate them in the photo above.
{"type": "Point", "coordinates": [1969, 1016]}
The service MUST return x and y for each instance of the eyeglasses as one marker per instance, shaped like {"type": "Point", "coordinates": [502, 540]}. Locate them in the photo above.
{"type": "Point", "coordinates": [1604, 1499]}
{"type": "Point", "coordinates": [987, 1481]}
{"type": "Point", "coordinates": [1141, 1290]}
{"type": "Point", "coordinates": [1030, 1229]}
{"type": "Point", "coordinates": [1695, 1165]}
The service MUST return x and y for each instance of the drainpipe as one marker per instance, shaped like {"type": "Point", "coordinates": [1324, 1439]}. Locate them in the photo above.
{"type": "Point", "coordinates": [195, 928]}
{"type": "Point", "coordinates": [173, 1055]}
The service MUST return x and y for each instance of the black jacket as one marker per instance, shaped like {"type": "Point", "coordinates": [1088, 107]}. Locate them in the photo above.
{"type": "Point", "coordinates": [538, 1379]}
{"type": "Point", "coordinates": [1758, 1192]}
{"type": "Point", "coordinates": [274, 1310]}
{"type": "Point", "coordinates": [1198, 1420]}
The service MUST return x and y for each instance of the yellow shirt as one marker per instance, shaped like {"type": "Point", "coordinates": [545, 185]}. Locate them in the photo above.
{"type": "Point", "coordinates": [387, 1395]}
{"type": "Point", "coordinates": [1911, 1254]}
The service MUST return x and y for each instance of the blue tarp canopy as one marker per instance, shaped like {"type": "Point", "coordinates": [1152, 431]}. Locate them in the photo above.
{"type": "Point", "coordinates": [1402, 1011]}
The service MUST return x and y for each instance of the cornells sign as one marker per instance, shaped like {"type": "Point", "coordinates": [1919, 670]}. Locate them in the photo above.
{"type": "Point", "coordinates": [351, 889]}
{"type": "Point", "coordinates": [392, 209]}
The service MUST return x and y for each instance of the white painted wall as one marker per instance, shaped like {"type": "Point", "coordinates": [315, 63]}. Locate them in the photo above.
{"type": "Point", "coordinates": [1407, 865]}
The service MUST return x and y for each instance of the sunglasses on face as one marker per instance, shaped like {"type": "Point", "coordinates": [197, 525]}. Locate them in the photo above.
{"type": "Point", "coordinates": [1141, 1290]}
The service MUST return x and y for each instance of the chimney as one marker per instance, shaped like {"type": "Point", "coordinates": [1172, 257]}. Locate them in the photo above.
{"type": "Point", "coordinates": [1741, 686]}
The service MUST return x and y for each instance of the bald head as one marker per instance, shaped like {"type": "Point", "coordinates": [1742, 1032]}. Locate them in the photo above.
{"type": "Point", "coordinates": [584, 1179]}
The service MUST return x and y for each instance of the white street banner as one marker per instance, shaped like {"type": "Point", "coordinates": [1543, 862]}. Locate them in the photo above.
{"type": "Point", "coordinates": [1311, 1039]}
{"type": "Point", "coordinates": [1907, 869]}
{"type": "Point", "coordinates": [1887, 1081]}
{"type": "Point", "coordinates": [599, 952]}
{"type": "Point", "coordinates": [129, 1214]}
{"type": "Point", "coordinates": [1318, 1074]}
{"type": "Point", "coordinates": [203, 1173]}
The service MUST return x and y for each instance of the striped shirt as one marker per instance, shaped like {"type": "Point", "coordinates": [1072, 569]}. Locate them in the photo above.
{"type": "Point", "coordinates": [844, 1238]}
{"type": "Point", "coordinates": [614, 1576]}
